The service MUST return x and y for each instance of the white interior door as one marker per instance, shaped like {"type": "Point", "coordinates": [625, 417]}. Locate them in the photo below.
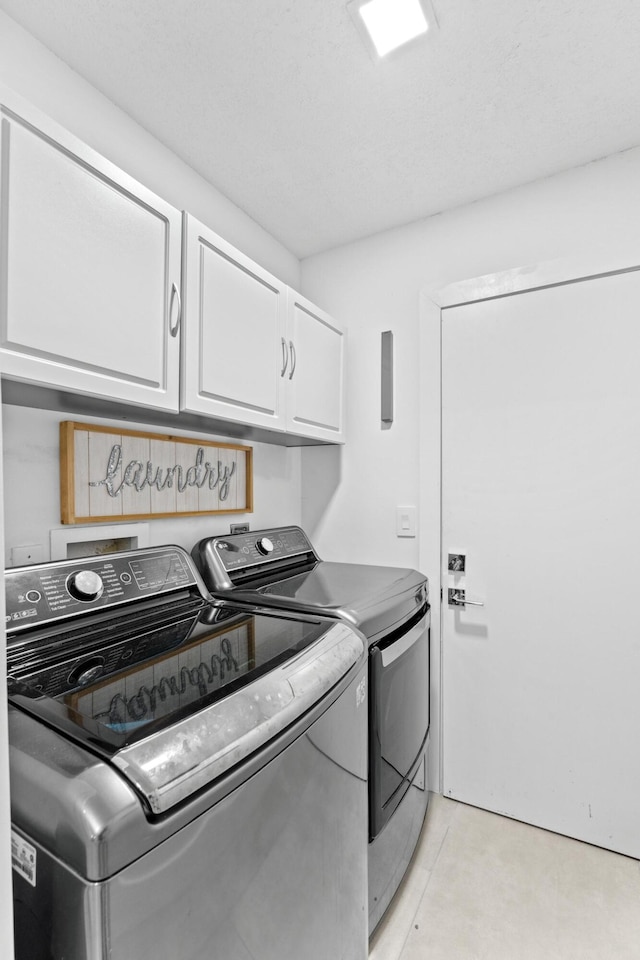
{"type": "Point", "coordinates": [541, 493]}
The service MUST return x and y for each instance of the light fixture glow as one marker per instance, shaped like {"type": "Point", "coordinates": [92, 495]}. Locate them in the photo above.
{"type": "Point", "coordinates": [392, 23]}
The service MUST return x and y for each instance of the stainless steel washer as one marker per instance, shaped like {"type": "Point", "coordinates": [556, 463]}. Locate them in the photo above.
{"type": "Point", "coordinates": [280, 568]}
{"type": "Point", "coordinates": [188, 778]}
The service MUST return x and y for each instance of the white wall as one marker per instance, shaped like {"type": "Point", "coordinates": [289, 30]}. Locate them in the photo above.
{"type": "Point", "coordinates": [349, 507]}
{"type": "Point", "coordinates": [31, 440]}
{"type": "Point", "coordinates": [6, 912]}
{"type": "Point", "coordinates": [32, 485]}
{"type": "Point", "coordinates": [375, 285]}
{"type": "Point", "coordinates": [40, 77]}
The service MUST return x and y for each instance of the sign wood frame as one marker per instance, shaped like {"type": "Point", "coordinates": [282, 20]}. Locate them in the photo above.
{"type": "Point", "coordinates": [109, 474]}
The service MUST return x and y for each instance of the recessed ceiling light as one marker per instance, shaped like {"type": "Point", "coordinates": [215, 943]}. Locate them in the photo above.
{"type": "Point", "coordinates": [389, 24]}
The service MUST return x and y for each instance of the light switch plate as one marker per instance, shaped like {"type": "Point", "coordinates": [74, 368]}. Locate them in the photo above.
{"type": "Point", "coordinates": [406, 521]}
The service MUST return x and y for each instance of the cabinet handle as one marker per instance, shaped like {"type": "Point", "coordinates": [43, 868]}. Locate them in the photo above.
{"type": "Point", "coordinates": [175, 293]}
{"type": "Point", "coordinates": [285, 357]}
{"type": "Point", "coordinates": [293, 359]}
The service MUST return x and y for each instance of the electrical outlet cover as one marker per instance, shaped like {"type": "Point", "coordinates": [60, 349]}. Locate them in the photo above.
{"type": "Point", "coordinates": [31, 553]}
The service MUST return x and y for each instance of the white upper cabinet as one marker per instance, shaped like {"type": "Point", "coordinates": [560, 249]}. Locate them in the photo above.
{"type": "Point", "coordinates": [233, 333]}
{"type": "Point", "coordinates": [253, 350]}
{"type": "Point", "coordinates": [89, 269]}
{"type": "Point", "coordinates": [315, 372]}
{"type": "Point", "coordinates": [108, 291]}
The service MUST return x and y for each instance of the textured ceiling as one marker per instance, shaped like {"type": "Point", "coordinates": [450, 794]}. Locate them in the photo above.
{"type": "Point", "coordinates": [279, 105]}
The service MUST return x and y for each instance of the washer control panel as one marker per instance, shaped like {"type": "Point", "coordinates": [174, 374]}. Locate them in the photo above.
{"type": "Point", "coordinates": [46, 592]}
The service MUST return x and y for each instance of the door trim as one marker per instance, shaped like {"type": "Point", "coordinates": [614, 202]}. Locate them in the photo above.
{"type": "Point", "coordinates": [434, 299]}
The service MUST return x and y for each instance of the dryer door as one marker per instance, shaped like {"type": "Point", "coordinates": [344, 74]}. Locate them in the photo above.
{"type": "Point", "coordinates": [399, 722]}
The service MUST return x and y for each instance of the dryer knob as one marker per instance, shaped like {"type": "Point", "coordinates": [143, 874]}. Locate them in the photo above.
{"type": "Point", "coordinates": [85, 585]}
{"type": "Point", "coordinates": [265, 546]}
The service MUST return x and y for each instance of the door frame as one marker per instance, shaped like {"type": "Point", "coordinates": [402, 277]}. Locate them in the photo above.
{"type": "Point", "coordinates": [6, 872]}
{"type": "Point", "coordinates": [435, 298]}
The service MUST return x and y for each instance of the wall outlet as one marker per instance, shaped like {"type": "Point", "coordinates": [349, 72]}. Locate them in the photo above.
{"type": "Point", "coordinates": [239, 528]}
{"type": "Point", "coordinates": [32, 553]}
{"type": "Point", "coordinates": [406, 522]}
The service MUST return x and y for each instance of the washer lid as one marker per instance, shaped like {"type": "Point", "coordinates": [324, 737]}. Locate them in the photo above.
{"type": "Point", "coordinates": [95, 822]}
{"type": "Point", "coordinates": [170, 765]}
{"type": "Point", "coordinates": [175, 696]}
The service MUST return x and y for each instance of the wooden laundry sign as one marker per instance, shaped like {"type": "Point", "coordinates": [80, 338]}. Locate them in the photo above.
{"type": "Point", "coordinates": [111, 474]}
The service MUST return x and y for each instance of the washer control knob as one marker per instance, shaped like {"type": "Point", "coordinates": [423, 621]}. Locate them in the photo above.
{"type": "Point", "coordinates": [265, 546]}
{"type": "Point", "coordinates": [85, 585]}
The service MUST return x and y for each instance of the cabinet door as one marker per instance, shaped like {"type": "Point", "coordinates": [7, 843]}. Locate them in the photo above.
{"type": "Point", "coordinates": [316, 371]}
{"type": "Point", "coordinates": [89, 269]}
{"type": "Point", "coordinates": [234, 351]}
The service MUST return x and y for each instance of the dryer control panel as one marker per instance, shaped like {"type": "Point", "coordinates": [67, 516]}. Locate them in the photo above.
{"type": "Point", "coordinates": [259, 546]}
{"type": "Point", "coordinates": [225, 561]}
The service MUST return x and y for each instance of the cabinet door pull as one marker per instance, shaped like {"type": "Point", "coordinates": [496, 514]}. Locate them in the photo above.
{"type": "Point", "coordinates": [175, 294]}
{"type": "Point", "coordinates": [285, 357]}
{"type": "Point", "coordinates": [293, 359]}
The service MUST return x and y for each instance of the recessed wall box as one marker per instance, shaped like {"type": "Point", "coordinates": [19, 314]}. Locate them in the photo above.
{"type": "Point", "coordinates": [386, 377]}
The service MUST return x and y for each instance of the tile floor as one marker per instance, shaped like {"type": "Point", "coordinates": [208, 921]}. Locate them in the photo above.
{"type": "Point", "coordinates": [483, 887]}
